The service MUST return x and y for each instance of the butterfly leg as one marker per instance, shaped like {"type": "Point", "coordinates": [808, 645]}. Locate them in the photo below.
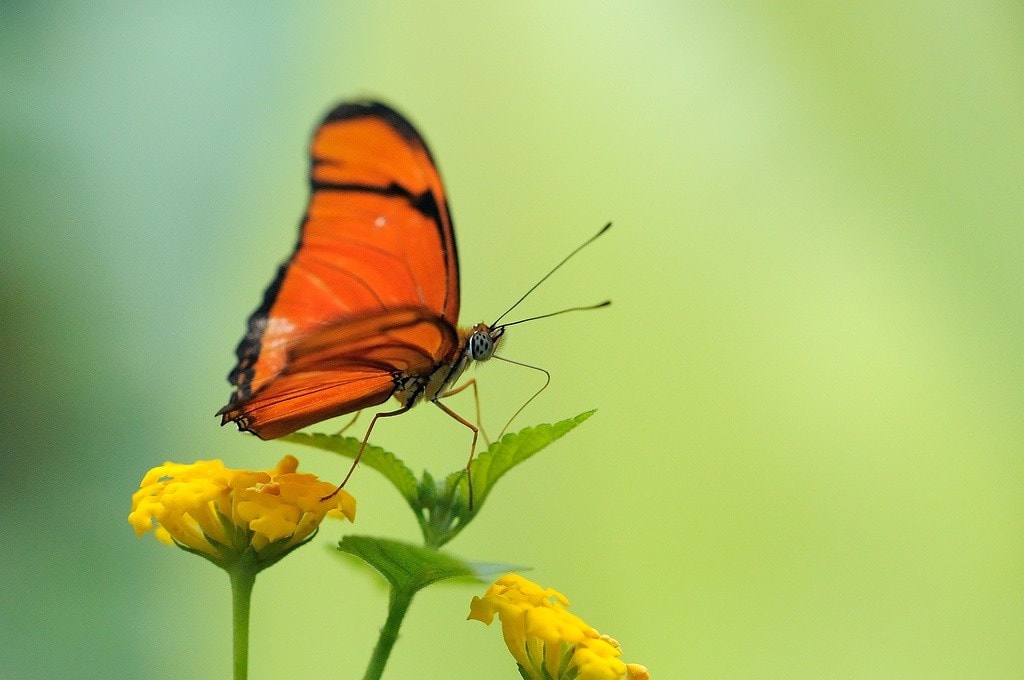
{"type": "Point", "coordinates": [362, 446]}
{"type": "Point", "coordinates": [476, 398]}
{"type": "Point", "coordinates": [472, 448]}
{"type": "Point", "coordinates": [349, 424]}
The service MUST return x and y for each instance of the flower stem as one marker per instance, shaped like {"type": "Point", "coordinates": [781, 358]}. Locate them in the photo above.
{"type": "Point", "coordinates": [242, 580]}
{"type": "Point", "coordinates": [398, 605]}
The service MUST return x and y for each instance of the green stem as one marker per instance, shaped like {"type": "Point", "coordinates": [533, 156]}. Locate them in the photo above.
{"type": "Point", "coordinates": [398, 605]}
{"type": "Point", "coordinates": [242, 580]}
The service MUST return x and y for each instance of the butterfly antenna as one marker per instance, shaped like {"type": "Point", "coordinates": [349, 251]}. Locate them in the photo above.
{"type": "Point", "coordinates": [547, 381]}
{"type": "Point", "coordinates": [599, 305]}
{"type": "Point", "coordinates": [553, 270]}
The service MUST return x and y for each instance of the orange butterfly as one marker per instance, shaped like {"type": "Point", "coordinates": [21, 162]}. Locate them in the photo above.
{"type": "Point", "coordinates": [367, 306]}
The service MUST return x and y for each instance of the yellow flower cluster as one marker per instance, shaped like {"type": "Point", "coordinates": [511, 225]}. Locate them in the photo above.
{"type": "Point", "coordinates": [225, 514]}
{"type": "Point", "coordinates": [545, 639]}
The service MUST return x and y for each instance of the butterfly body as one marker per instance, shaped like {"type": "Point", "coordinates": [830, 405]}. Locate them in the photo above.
{"type": "Point", "coordinates": [412, 389]}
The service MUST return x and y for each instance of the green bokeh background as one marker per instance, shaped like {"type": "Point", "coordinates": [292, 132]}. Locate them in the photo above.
{"type": "Point", "coordinates": [807, 459]}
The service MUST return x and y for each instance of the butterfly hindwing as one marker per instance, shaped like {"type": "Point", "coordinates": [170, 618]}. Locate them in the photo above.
{"type": "Point", "coordinates": [343, 368]}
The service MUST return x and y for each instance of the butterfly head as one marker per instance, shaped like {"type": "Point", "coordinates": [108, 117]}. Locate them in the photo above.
{"type": "Point", "coordinates": [483, 340]}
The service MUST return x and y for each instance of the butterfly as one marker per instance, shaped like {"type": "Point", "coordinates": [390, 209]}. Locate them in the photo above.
{"type": "Point", "coordinates": [366, 308]}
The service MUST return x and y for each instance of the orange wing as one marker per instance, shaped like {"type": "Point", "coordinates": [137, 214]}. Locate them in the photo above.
{"type": "Point", "coordinates": [372, 289]}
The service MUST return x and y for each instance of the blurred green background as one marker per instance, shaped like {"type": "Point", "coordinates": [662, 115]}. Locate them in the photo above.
{"type": "Point", "coordinates": [807, 459]}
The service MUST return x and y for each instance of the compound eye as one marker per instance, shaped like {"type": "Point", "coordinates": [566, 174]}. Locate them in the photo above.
{"type": "Point", "coordinates": [481, 347]}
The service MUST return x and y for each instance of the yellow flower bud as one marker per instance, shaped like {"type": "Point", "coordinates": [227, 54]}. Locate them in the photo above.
{"type": "Point", "coordinates": [225, 514]}
{"type": "Point", "coordinates": [545, 639]}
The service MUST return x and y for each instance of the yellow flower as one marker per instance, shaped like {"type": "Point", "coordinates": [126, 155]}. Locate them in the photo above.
{"type": "Point", "coordinates": [228, 515]}
{"type": "Point", "coordinates": [546, 640]}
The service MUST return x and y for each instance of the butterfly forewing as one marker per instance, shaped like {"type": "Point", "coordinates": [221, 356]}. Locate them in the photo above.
{"type": "Point", "coordinates": [376, 239]}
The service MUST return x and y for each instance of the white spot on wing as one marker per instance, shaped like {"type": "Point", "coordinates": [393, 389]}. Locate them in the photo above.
{"type": "Point", "coordinates": [276, 328]}
{"type": "Point", "coordinates": [279, 325]}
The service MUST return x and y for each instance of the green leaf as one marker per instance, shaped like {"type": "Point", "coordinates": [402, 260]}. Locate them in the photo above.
{"type": "Point", "coordinates": [409, 568]}
{"type": "Point", "coordinates": [510, 451]}
{"type": "Point", "coordinates": [442, 506]}
{"type": "Point", "coordinates": [445, 511]}
{"type": "Point", "coordinates": [375, 457]}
